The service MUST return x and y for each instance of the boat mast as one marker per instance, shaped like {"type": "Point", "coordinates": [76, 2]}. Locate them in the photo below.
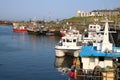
{"type": "Point", "coordinates": [106, 45]}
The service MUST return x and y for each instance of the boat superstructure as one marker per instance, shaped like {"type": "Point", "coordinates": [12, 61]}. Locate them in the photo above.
{"type": "Point", "coordinates": [90, 34]}
{"type": "Point", "coordinates": [34, 28]}
{"type": "Point", "coordinates": [68, 45]}
{"type": "Point", "coordinates": [70, 30]}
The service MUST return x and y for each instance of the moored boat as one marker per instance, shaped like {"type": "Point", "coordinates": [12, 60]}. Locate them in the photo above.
{"type": "Point", "coordinates": [68, 45]}
{"type": "Point", "coordinates": [63, 31]}
{"type": "Point", "coordinates": [33, 28]}
{"type": "Point", "coordinates": [19, 28]}
{"type": "Point", "coordinates": [51, 31]}
{"type": "Point", "coordinates": [70, 30]}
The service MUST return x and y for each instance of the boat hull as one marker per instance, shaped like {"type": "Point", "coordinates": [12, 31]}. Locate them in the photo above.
{"type": "Point", "coordinates": [62, 53]}
{"type": "Point", "coordinates": [62, 34]}
{"type": "Point", "coordinates": [50, 33]}
{"type": "Point", "coordinates": [20, 30]}
{"type": "Point", "coordinates": [34, 32]}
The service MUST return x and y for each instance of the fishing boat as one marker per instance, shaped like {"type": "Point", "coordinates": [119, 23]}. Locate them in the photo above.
{"type": "Point", "coordinates": [51, 31]}
{"type": "Point", "coordinates": [33, 28]}
{"type": "Point", "coordinates": [102, 53]}
{"type": "Point", "coordinates": [68, 45]}
{"type": "Point", "coordinates": [63, 31]}
{"type": "Point", "coordinates": [19, 28]}
{"type": "Point", "coordinates": [70, 30]}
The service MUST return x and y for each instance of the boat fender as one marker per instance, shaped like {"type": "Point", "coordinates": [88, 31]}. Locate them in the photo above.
{"type": "Point", "coordinates": [75, 74]}
{"type": "Point", "coordinates": [78, 64]}
{"type": "Point", "coordinates": [71, 74]}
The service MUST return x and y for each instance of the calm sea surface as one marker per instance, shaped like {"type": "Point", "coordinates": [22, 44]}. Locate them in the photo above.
{"type": "Point", "coordinates": [28, 57]}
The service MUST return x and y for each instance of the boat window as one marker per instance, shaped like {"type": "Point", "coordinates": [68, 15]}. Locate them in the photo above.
{"type": "Point", "coordinates": [94, 26]}
{"type": "Point", "coordinates": [90, 26]}
{"type": "Point", "coordinates": [98, 27]}
{"type": "Point", "coordinates": [63, 40]}
{"type": "Point", "coordinates": [68, 40]}
{"type": "Point", "coordinates": [118, 60]}
{"type": "Point", "coordinates": [86, 35]}
{"type": "Point", "coordinates": [92, 59]}
{"type": "Point", "coordinates": [74, 40]}
{"type": "Point", "coordinates": [101, 58]}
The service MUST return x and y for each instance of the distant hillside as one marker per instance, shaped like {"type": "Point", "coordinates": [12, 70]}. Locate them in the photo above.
{"type": "Point", "coordinates": [88, 20]}
{"type": "Point", "coordinates": [82, 22]}
{"type": "Point", "coordinates": [2, 22]}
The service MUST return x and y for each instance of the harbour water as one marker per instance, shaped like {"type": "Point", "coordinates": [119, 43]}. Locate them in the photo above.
{"type": "Point", "coordinates": [27, 57]}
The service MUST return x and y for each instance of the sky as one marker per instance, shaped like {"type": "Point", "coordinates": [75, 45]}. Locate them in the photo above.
{"type": "Point", "coordinates": [50, 9]}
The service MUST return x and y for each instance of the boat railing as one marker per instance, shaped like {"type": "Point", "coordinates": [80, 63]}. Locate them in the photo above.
{"type": "Point", "coordinates": [59, 44]}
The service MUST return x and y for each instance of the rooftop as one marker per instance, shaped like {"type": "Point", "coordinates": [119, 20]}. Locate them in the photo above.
{"type": "Point", "coordinates": [91, 51]}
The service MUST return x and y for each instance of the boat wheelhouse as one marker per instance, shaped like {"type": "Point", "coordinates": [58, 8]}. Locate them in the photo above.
{"type": "Point", "coordinates": [91, 33]}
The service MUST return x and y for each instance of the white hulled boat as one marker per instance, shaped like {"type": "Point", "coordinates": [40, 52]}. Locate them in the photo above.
{"type": "Point", "coordinates": [68, 45]}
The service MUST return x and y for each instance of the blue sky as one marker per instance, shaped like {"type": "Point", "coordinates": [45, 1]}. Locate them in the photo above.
{"type": "Point", "coordinates": [50, 9]}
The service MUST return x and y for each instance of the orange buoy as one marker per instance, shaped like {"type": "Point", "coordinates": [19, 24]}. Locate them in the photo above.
{"type": "Point", "coordinates": [74, 62]}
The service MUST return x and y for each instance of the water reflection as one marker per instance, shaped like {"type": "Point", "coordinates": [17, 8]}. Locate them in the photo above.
{"type": "Point", "coordinates": [45, 41]}
{"type": "Point", "coordinates": [19, 36]}
{"type": "Point", "coordinates": [63, 64]}
{"type": "Point", "coordinates": [27, 57]}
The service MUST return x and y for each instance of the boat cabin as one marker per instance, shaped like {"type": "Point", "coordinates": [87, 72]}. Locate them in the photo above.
{"type": "Point", "coordinates": [69, 42]}
{"type": "Point", "coordinates": [92, 58]}
{"type": "Point", "coordinates": [68, 45]}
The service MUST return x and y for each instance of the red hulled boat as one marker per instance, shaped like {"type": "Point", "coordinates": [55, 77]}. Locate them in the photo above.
{"type": "Point", "coordinates": [19, 28]}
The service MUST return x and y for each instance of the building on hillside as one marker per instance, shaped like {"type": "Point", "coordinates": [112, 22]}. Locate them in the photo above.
{"type": "Point", "coordinates": [103, 12]}
{"type": "Point", "coordinates": [117, 8]}
{"type": "Point", "coordinates": [82, 14]}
